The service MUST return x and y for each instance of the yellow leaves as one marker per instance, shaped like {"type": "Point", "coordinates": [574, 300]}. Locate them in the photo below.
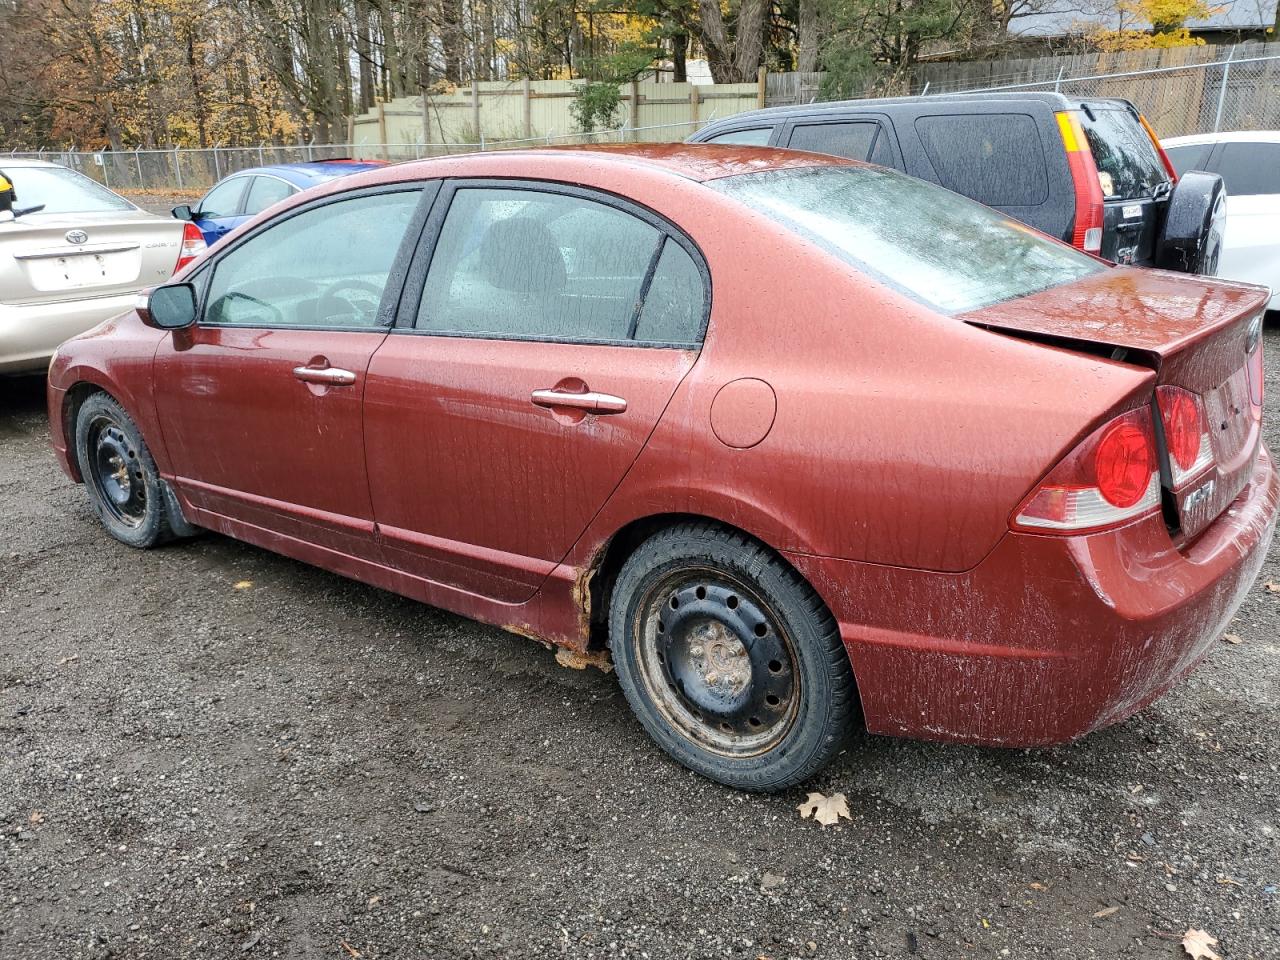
{"type": "Point", "coordinates": [242, 585]}
{"type": "Point", "coordinates": [826, 810]}
{"type": "Point", "coordinates": [1197, 944]}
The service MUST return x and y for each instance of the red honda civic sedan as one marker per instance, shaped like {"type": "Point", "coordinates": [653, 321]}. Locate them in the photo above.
{"type": "Point", "coordinates": [802, 441]}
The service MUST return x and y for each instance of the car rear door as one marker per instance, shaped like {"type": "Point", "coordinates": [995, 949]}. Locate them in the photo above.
{"type": "Point", "coordinates": [260, 403]}
{"type": "Point", "coordinates": [543, 330]}
{"type": "Point", "coordinates": [867, 137]}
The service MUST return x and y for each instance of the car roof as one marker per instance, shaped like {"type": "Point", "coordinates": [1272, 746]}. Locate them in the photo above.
{"type": "Point", "coordinates": [25, 162]}
{"type": "Point", "coordinates": [1234, 136]}
{"type": "Point", "coordinates": [1055, 101]}
{"type": "Point", "coordinates": [308, 173]}
{"type": "Point", "coordinates": [691, 161]}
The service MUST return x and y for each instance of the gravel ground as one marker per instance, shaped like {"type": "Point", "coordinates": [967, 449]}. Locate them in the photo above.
{"type": "Point", "coordinates": [307, 767]}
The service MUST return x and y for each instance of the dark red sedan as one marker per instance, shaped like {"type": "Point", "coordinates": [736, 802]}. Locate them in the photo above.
{"type": "Point", "coordinates": [800, 440]}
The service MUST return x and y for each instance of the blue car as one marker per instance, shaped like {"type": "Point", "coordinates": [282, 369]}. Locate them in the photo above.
{"type": "Point", "coordinates": [246, 193]}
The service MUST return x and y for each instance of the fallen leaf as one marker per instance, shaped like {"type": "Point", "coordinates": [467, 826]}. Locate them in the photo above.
{"type": "Point", "coordinates": [349, 948]}
{"type": "Point", "coordinates": [243, 584]}
{"type": "Point", "coordinates": [771, 880]}
{"type": "Point", "coordinates": [1039, 886]}
{"type": "Point", "coordinates": [580, 661]}
{"type": "Point", "coordinates": [1105, 912]}
{"type": "Point", "coordinates": [826, 810]}
{"type": "Point", "coordinates": [1232, 638]}
{"type": "Point", "coordinates": [1272, 586]}
{"type": "Point", "coordinates": [1197, 944]}
{"type": "Point", "coordinates": [37, 817]}
{"type": "Point", "coordinates": [251, 942]}
{"type": "Point", "coordinates": [1227, 881]}
{"type": "Point", "coordinates": [71, 659]}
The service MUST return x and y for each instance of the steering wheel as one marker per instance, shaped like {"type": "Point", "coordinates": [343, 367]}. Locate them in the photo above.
{"type": "Point", "coordinates": [348, 299]}
{"type": "Point", "coordinates": [217, 308]}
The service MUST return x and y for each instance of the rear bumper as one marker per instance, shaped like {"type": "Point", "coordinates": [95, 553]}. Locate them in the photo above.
{"type": "Point", "coordinates": [29, 334]}
{"type": "Point", "coordinates": [1049, 638]}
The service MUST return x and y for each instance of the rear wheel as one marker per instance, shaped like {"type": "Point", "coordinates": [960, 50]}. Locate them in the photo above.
{"type": "Point", "coordinates": [119, 474]}
{"type": "Point", "coordinates": [729, 659]}
{"type": "Point", "coordinates": [1191, 240]}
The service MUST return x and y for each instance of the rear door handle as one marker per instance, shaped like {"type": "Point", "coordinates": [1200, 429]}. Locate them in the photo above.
{"type": "Point", "coordinates": [598, 403]}
{"type": "Point", "coordinates": [327, 375]}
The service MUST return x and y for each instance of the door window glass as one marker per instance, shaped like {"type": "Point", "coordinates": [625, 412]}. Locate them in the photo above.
{"type": "Point", "coordinates": [1250, 168]}
{"type": "Point", "coordinates": [264, 192]}
{"type": "Point", "coordinates": [676, 300]}
{"type": "Point", "coordinates": [994, 158]}
{"type": "Point", "coordinates": [535, 265]}
{"type": "Point", "coordinates": [324, 267]}
{"type": "Point", "coordinates": [223, 200]}
{"type": "Point", "coordinates": [1128, 166]}
{"type": "Point", "coordinates": [849, 140]}
{"type": "Point", "coordinates": [755, 137]}
{"type": "Point", "coordinates": [1190, 156]}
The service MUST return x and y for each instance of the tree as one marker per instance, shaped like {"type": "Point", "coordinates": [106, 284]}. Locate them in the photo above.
{"type": "Point", "coordinates": [1167, 18]}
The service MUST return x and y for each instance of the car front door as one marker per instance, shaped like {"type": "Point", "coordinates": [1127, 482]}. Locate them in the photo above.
{"type": "Point", "coordinates": [219, 209]}
{"type": "Point", "coordinates": [538, 343]}
{"type": "Point", "coordinates": [260, 401]}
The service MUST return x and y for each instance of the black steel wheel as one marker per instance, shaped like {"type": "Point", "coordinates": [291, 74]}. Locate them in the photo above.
{"type": "Point", "coordinates": [124, 487]}
{"type": "Point", "coordinates": [729, 659]}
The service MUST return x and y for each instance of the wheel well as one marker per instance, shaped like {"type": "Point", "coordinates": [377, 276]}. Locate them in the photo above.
{"type": "Point", "coordinates": [622, 544]}
{"type": "Point", "coordinates": [71, 405]}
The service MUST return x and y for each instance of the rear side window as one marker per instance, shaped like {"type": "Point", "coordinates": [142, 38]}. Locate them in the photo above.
{"type": "Point", "coordinates": [1128, 166]}
{"type": "Point", "coordinates": [932, 245]}
{"type": "Point", "coordinates": [1191, 156]}
{"type": "Point", "coordinates": [1250, 168]}
{"type": "Point", "coordinates": [263, 193]}
{"type": "Point", "coordinates": [850, 140]}
{"type": "Point", "coordinates": [994, 158]}
{"type": "Point", "coordinates": [536, 265]}
{"type": "Point", "coordinates": [755, 137]}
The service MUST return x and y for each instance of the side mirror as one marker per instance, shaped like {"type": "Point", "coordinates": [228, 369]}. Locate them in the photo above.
{"type": "Point", "coordinates": [171, 307]}
{"type": "Point", "coordinates": [183, 212]}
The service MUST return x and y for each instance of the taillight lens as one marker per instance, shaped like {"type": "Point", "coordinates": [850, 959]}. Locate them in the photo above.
{"type": "Point", "coordinates": [192, 245]}
{"type": "Point", "coordinates": [1111, 478]}
{"type": "Point", "coordinates": [1186, 434]}
{"type": "Point", "coordinates": [1087, 233]}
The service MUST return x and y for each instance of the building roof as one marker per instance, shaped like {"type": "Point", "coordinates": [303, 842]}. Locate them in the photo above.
{"type": "Point", "coordinates": [1060, 18]}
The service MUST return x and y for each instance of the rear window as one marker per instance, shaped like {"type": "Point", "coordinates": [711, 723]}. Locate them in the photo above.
{"type": "Point", "coordinates": [1128, 166]}
{"type": "Point", "coordinates": [1250, 168]}
{"type": "Point", "coordinates": [1189, 156]}
{"type": "Point", "coordinates": [994, 158]}
{"type": "Point", "coordinates": [63, 191]}
{"type": "Point", "coordinates": [937, 247]}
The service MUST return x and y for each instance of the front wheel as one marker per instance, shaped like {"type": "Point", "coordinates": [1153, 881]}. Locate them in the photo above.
{"type": "Point", "coordinates": [124, 487]}
{"type": "Point", "coordinates": [729, 659]}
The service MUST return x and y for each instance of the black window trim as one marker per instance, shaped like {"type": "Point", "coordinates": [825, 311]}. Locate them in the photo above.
{"type": "Point", "coordinates": [831, 118]}
{"type": "Point", "coordinates": [244, 175]}
{"type": "Point", "coordinates": [415, 280]}
{"type": "Point", "coordinates": [244, 201]}
{"type": "Point", "coordinates": [391, 292]}
{"type": "Point", "coordinates": [773, 128]}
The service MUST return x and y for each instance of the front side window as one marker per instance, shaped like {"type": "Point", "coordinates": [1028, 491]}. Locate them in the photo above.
{"type": "Point", "coordinates": [325, 267]}
{"type": "Point", "coordinates": [755, 137]}
{"type": "Point", "coordinates": [536, 265]}
{"type": "Point", "coordinates": [1128, 166]}
{"type": "Point", "coordinates": [60, 190]}
{"type": "Point", "coordinates": [935, 246]}
{"type": "Point", "coordinates": [994, 158]}
{"type": "Point", "coordinates": [849, 140]}
{"type": "Point", "coordinates": [224, 199]}
{"type": "Point", "coordinates": [1249, 169]}
{"type": "Point", "coordinates": [264, 192]}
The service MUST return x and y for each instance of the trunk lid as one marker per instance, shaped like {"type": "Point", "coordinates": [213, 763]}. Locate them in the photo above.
{"type": "Point", "coordinates": [1195, 333]}
{"type": "Point", "coordinates": [117, 252]}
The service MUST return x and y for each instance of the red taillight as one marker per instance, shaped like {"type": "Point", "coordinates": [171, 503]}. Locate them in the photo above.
{"type": "Point", "coordinates": [1087, 233]}
{"type": "Point", "coordinates": [1186, 436]}
{"type": "Point", "coordinates": [1123, 463]}
{"type": "Point", "coordinates": [1155, 142]}
{"type": "Point", "coordinates": [192, 245]}
{"type": "Point", "coordinates": [1109, 479]}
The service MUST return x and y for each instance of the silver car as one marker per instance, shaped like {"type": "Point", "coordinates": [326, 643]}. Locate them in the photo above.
{"type": "Point", "coordinates": [74, 255]}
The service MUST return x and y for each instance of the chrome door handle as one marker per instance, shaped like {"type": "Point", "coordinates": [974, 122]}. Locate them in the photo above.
{"type": "Point", "coordinates": [598, 403]}
{"type": "Point", "coordinates": [328, 375]}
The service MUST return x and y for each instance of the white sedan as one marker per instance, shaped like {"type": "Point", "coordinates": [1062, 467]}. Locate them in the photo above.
{"type": "Point", "coordinates": [1249, 164]}
{"type": "Point", "coordinates": [72, 254]}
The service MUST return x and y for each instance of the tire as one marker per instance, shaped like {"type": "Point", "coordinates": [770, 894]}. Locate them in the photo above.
{"type": "Point", "coordinates": [1191, 240]}
{"type": "Point", "coordinates": [729, 659]}
{"type": "Point", "coordinates": [120, 477]}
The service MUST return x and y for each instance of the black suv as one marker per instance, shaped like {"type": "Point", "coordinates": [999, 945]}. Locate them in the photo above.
{"type": "Point", "coordinates": [1090, 172]}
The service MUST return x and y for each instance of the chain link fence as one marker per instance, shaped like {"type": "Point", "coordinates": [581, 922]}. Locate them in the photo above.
{"type": "Point", "coordinates": [184, 170]}
{"type": "Point", "coordinates": [1237, 93]}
